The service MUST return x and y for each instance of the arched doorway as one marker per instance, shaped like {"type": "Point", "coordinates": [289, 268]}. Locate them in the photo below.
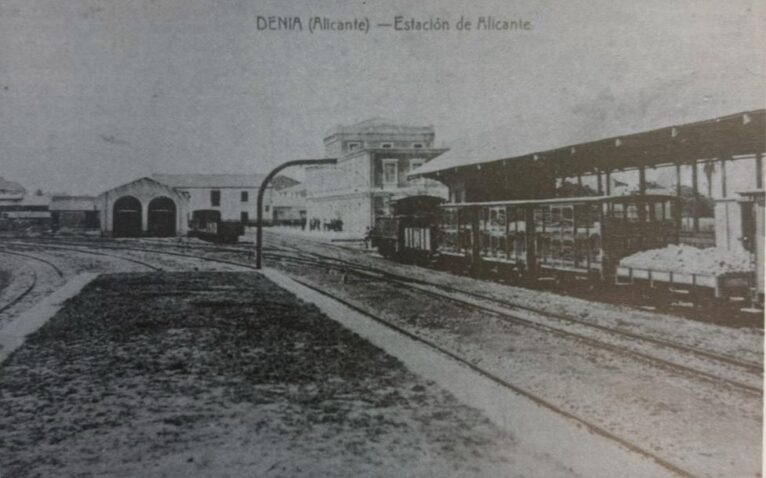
{"type": "Point", "coordinates": [126, 217]}
{"type": "Point", "coordinates": [162, 217]}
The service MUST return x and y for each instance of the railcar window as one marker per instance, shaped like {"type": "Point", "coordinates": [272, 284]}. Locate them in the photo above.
{"type": "Point", "coordinates": [582, 217]}
{"type": "Point", "coordinates": [670, 211]}
{"type": "Point", "coordinates": [659, 211]}
{"type": "Point", "coordinates": [595, 215]}
{"type": "Point", "coordinates": [632, 212]}
{"type": "Point", "coordinates": [618, 210]}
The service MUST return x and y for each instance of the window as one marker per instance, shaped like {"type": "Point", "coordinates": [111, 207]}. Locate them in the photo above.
{"type": "Point", "coordinates": [245, 196]}
{"type": "Point", "coordinates": [390, 176]}
{"type": "Point", "coordinates": [266, 208]}
{"type": "Point", "coordinates": [354, 146]}
{"type": "Point", "coordinates": [417, 145]}
{"type": "Point", "coordinates": [415, 164]}
{"type": "Point", "coordinates": [215, 197]}
{"type": "Point", "coordinates": [386, 145]}
{"type": "Point", "coordinates": [244, 217]}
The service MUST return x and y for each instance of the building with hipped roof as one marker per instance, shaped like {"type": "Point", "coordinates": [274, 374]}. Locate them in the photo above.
{"type": "Point", "coordinates": [374, 157]}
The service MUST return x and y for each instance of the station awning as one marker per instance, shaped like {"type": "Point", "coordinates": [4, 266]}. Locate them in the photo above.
{"type": "Point", "coordinates": [731, 135]}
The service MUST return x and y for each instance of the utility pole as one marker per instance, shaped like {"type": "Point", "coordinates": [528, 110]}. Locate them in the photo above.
{"type": "Point", "coordinates": [262, 191]}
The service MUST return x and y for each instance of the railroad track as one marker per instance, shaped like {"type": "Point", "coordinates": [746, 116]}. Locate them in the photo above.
{"type": "Point", "coordinates": [751, 366]}
{"type": "Point", "coordinates": [594, 428]}
{"type": "Point", "coordinates": [446, 293]}
{"type": "Point", "coordinates": [33, 284]}
{"type": "Point", "coordinates": [542, 323]}
{"type": "Point", "coordinates": [714, 367]}
{"type": "Point", "coordinates": [95, 253]}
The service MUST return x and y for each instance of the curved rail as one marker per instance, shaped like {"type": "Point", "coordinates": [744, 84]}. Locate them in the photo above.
{"type": "Point", "coordinates": [448, 292]}
{"type": "Point", "coordinates": [27, 290]}
{"type": "Point", "coordinates": [127, 259]}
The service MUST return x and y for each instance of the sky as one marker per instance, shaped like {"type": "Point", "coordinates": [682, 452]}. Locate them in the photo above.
{"type": "Point", "coordinates": [96, 93]}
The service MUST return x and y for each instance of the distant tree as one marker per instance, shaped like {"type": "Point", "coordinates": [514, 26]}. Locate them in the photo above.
{"type": "Point", "coordinates": [568, 189]}
{"type": "Point", "coordinates": [704, 205]}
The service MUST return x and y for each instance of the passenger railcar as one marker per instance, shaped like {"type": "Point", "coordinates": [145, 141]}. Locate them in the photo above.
{"type": "Point", "coordinates": [585, 236]}
{"type": "Point", "coordinates": [410, 232]}
{"type": "Point", "coordinates": [577, 235]}
{"type": "Point", "coordinates": [207, 225]}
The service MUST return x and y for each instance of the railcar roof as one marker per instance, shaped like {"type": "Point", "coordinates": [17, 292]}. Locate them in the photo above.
{"type": "Point", "coordinates": [578, 199]}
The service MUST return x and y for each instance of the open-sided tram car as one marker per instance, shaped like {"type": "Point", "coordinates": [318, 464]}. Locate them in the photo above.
{"type": "Point", "coordinates": [410, 232]}
{"type": "Point", "coordinates": [577, 235]}
{"type": "Point", "coordinates": [584, 236]}
{"type": "Point", "coordinates": [207, 225]}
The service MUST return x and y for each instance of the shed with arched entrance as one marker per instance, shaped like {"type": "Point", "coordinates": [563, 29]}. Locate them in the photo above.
{"type": "Point", "coordinates": [161, 217]}
{"type": "Point", "coordinates": [144, 207]}
{"type": "Point", "coordinates": [126, 217]}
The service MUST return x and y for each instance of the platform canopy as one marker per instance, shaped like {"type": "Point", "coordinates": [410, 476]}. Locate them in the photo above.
{"type": "Point", "coordinates": [734, 134]}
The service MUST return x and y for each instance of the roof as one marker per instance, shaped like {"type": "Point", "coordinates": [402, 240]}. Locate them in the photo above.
{"type": "Point", "coordinates": [295, 188]}
{"type": "Point", "coordinates": [577, 199]}
{"type": "Point", "coordinates": [526, 133]}
{"type": "Point", "coordinates": [11, 186]}
{"type": "Point", "coordinates": [65, 202]}
{"type": "Point", "coordinates": [35, 200]}
{"type": "Point", "coordinates": [379, 126]}
{"type": "Point", "coordinates": [249, 181]}
{"type": "Point", "coordinates": [125, 189]}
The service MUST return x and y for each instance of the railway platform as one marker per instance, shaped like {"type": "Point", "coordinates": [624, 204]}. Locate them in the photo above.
{"type": "Point", "coordinates": [224, 373]}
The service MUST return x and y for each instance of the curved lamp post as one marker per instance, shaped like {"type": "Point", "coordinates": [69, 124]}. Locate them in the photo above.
{"type": "Point", "coordinates": [262, 191]}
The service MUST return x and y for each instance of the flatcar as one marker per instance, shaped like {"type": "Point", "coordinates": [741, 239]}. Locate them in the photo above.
{"type": "Point", "coordinates": [207, 225]}
{"type": "Point", "coordinates": [583, 236]}
{"type": "Point", "coordinates": [409, 233]}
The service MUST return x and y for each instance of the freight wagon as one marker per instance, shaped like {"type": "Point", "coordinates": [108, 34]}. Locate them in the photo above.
{"type": "Point", "coordinates": [207, 225]}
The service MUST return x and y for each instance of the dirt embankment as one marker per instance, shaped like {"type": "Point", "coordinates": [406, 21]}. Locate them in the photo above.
{"type": "Point", "coordinates": [214, 374]}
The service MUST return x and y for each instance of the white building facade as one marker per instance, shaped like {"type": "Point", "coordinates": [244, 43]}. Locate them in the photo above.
{"type": "Point", "coordinates": [374, 158]}
{"type": "Point", "coordinates": [235, 195]}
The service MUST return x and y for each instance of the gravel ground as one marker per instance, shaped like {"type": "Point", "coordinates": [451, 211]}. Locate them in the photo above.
{"type": "Point", "coordinates": [703, 427]}
{"type": "Point", "coordinates": [225, 374]}
{"type": "Point", "coordinates": [744, 343]}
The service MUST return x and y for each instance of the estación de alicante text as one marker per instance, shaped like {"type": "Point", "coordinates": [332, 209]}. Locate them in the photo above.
{"type": "Point", "coordinates": [481, 23]}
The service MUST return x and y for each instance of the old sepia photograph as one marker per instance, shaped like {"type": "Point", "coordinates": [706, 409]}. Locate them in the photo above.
{"type": "Point", "coordinates": [367, 238]}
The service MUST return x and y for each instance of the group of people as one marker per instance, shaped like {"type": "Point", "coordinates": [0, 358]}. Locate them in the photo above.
{"type": "Point", "coordinates": [317, 224]}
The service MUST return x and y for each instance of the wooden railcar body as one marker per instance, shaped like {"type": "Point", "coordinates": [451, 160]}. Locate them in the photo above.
{"type": "Point", "coordinates": [411, 232]}
{"type": "Point", "coordinates": [579, 235]}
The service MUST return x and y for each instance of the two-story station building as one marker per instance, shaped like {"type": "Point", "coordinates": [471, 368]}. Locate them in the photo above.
{"type": "Point", "coordinates": [374, 158]}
